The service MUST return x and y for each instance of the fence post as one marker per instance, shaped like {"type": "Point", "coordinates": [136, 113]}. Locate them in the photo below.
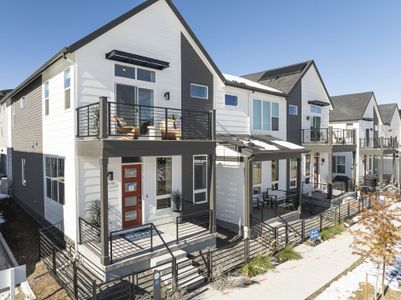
{"type": "Point", "coordinates": [209, 265]}
{"type": "Point", "coordinates": [321, 222]}
{"type": "Point", "coordinates": [286, 235]}
{"type": "Point", "coordinates": [75, 279]}
{"type": "Point", "coordinates": [303, 230]}
{"type": "Point", "coordinates": [111, 247]}
{"type": "Point", "coordinates": [246, 250]}
{"type": "Point", "coordinates": [54, 261]}
{"type": "Point", "coordinates": [348, 210]}
{"type": "Point", "coordinates": [339, 213]}
{"type": "Point", "coordinates": [151, 238]}
{"type": "Point", "coordinates": [94, 289]}
{"type": "Point", "coordinates": [176, 230]}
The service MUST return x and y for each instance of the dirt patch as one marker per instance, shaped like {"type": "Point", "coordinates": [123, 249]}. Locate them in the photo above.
{"type": "Point", "coordinates": [361, 293]}
{"type": "Point", "coordinates": [21, 232]}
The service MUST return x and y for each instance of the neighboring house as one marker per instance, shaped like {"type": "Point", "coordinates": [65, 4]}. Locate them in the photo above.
{"type": "Point", "coordinates": [308, 107]}
{"type": "Point", "coordinates": [360, 112]}
{"type": "Point", "coordinates": [253, 155]}
{"type": "Point", "coordinates": [5, 138]}
{"type": "Point", "coordinates": [391, 133]}
{"type": "Point", "coordinates": [123, 116]}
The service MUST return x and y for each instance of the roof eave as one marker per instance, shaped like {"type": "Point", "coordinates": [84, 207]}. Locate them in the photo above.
{"type": "Point", "coordinates": [254, 89]}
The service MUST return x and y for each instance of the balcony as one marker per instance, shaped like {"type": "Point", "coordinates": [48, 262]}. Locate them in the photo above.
{"type": "Point", "coordinates": [334, 136]}
{"type": "Point", "coordinates": [378, 143]}
{"type": "Point", "coordinates": [122, 121]}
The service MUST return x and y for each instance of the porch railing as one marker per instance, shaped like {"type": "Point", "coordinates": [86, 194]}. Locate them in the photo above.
{"type": "Point", "coordinates": [343, 136]}
{"type": "Point", "coordinates": [133, 121]}
{"type": "Point", "coordinates": [385, 143]}
{"type": "Point", "coordinates": [193, 225]}
{"type": "Point", "coordinates": [335, 136]}
{"type": "Point", "coordinates": [315, 135]}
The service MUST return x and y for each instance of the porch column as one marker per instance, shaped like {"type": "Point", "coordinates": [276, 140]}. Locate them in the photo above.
{"type": "Point", "coordinates": [394, 165]}
{"type": "Point", "coordinates": [212, 192]}
{"type": "Point", "coordinates": [104, 212]}
{"type": "Point", "coordinates": [330, 167]}
{"type": "Point", "coordinates": [354, 169]}
{"type": "Point", "coordinates": [399, 170]}
{"type": "Point", "coordinates": [381, 167]}
{"type": "Point", "coordinates": [248, 196]}
{"type": "Point", "coordinates": [103, 117]}
{"type": "Point", "coordinates": [299, 182]}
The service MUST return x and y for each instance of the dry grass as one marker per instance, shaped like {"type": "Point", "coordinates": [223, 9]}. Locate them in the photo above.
{"type": "Point", "coordinates": [360, 294]}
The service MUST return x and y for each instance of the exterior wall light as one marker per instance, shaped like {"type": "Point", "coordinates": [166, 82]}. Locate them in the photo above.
{"type": "Point", "coordinates": [167, 96]}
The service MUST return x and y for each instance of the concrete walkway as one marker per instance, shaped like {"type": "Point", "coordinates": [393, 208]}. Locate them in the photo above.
{"type": "Point", "coordinates": [296, 279]}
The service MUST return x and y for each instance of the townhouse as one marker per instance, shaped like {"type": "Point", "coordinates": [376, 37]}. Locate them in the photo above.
{"type": "Point", "coordinates": [376, 143]}
{"type": "Point", "coordinates": [308, 108]}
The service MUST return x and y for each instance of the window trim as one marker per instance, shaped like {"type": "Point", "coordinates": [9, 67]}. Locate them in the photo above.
{"type": "Point", "coordinates": [164, 196]}
{"type": "Point", "coordinates": [45, 177]}
{"type": "Point", "coordinates": [271, 117]}
{"type": "Point", "coordinates": [193, 180]}
{"type": "Point", "coordinates": [296, 109]}
{"type": "Point", "coordinates": [232, 95]}
{"type": "Point", "coordinates": [23, 172]}
{"type": "Point", "coordinates": [67, 88]}
{"type": "Point", "coordinates": [199, 85]}
{"type": "Point", "coordinates": [335, 164]}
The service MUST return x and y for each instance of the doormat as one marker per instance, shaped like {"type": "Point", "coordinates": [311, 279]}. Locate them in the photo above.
{"type": "Point", "coordinates": [138, 234]}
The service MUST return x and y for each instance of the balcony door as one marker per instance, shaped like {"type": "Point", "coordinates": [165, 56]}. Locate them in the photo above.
{"type": "Point", "coordinates": [315, 128]}
{"type": "Point", "coordinates": [131, 195]}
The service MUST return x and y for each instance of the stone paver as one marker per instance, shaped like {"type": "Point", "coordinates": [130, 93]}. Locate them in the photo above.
{"type": "Point", "coordinates": [296, 279]}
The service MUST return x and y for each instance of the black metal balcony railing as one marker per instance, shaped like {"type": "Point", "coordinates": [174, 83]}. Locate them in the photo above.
{"type": "Point", "coordinates": [372, 143]}
{"type": "Point", "coordinates": [335, 136]}
{"type": "Point", "coordinates": [141, 121]}
{"type": "Point", "coordinates": [343, 136]}
{"type": "Point", "coordinates": [315, 135]}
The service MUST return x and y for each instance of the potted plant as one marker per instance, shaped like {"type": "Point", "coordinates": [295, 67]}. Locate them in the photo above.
{"type": "Point", "coordinates": [177, 199]}
{"type": "Point", "coordinates": [93, 217]}
{"type": "Point", "coordinates": [171, 130]}
{"type": "Point", "coordinates": [95, 115]}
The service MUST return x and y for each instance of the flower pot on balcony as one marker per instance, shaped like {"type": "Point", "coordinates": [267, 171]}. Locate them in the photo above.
{"type": "Point", "coordinates": [172, 132]}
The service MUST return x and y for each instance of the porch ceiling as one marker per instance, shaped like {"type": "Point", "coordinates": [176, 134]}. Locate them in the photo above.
{"type": "Point", "coordinates": [133, 148]}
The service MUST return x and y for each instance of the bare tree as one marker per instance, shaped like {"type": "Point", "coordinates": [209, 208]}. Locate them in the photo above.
{"type": "Point", "coordinates": [379, 235]}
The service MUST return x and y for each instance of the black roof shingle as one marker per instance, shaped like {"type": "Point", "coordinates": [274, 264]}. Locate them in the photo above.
{"type": "Point", "coordinates": [349, 107]}
{"type": "Point", "coordinates": [387, 112]}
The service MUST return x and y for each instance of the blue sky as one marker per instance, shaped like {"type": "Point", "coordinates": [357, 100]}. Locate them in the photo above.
{"type": "Point", "coordinates": [356, 44]}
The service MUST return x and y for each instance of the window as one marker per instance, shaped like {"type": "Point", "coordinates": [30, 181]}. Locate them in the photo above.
{"type": "Point", "coordinates": [55, 178]}
{"type": "Point", "coordinates": [123, 71]}
{"type": "Point", "coordinates": [257, 178]}
{"type": "Point", "coordinates": [46, 95]}
{"type": "Point", "coordinates": [339, 164]}
{"type": "Point", "coordinates": [22, 103]}
{"type": "Point", "coordinates": [231, 100]}
{"type": "Point", "coordinates": [316, 109]}
{"type": "Point", "coordinates": [67, 89]}
{"type": "Point", "coordinates": [146, 75]}
{"type": "Point", "coordinates": [200, 179]}
{"type": "Point", "coordinates": [275, 116]}
{"type": "Point", "coordinates": [275, 174]}
{"type": "Point", "coordinates": [307, 168]}
{"type": "Point", "coordinates": [23, 171]}
{"type": "Point", "coordinates": [164, 176]}
{"type": "Point", "coordinates": [199, 91]}
{"type": "Point", "coordinates": [293, 110]}
{"type": "Point", "coordinates": [293, 173]}
{"type": "Point", "coordinates": [265, 115]}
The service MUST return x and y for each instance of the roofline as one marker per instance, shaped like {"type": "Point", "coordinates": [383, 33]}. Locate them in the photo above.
{"type": "Point", "coordinates": [395, 108]}
{"type": "Point", "coordinates": [254, 89]}
{"type": "Point", "coordinates": [366, 106]}
{"type": "Point", "coordinates": [95, 34]}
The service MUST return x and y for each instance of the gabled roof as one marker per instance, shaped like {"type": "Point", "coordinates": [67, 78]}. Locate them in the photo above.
{"type": "Point", "coordinates": [244, 83]}
{"type": "Point", "coordinates": [95, 34]}
{"type": "Point", "coordinates": [349, 107]}
{"type": "Point", "coordinates": [387, 112]}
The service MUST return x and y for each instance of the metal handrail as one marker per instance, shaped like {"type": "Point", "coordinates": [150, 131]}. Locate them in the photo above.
{"type": "Point", "coordinates": [179, 219]}
{"type": "Point", "coordinates": [289, 225]}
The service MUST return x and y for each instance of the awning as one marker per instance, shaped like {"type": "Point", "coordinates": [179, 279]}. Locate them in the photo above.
{"type": "Point", "coordinates": [261, 147]}
{"type": "Point", "coordinates": [138, 60]}
{"type": "Point", "coordinates": [318, 103]}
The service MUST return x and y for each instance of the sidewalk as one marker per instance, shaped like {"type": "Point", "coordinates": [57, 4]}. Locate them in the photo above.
{"type": "Point", "coordinates": [296, 279]}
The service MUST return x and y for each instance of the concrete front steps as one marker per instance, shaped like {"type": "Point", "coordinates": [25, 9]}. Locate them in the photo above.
{"type": "Point", "coordinates": [188, 275]}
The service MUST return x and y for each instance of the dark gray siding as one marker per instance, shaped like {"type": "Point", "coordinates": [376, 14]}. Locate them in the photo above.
{"type": "Point", "coordinates": [193, 70]}
{"type": "Point", "coordinates": [294, 122]}
{"type": "Point", "coordinates": [27, 143]}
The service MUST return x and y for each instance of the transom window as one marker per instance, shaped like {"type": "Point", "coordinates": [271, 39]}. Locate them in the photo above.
{"type": "Point", "coordinates": [315, 109]}
{"type": "Point", "coordinates": [339, 164]}
{"type": "Point", "coordinates": [257, 178]}
{"type": "Point", "coordinates": [231, 100]}
{"type": "Point", "coordinates": [134, 73]}
{"type": "Point", "coordinates": [200, 179]}
{"type": "Point", "coordinates": [265, 115]}
{"type": "Point", "coordinates": [146, 75]}
{"type": "Point", "coordinates": [67, 89]}
{"type": "Point", "coordinates": [293, 110]}
{"type": "Point", "coordinates": [164, 182]}
{"type": "Point", "coordinates": [199, 91]}
{"type": "Point", "coordinates": [124, 71]}
{"type": "Point", "coordinates": [55, 178]}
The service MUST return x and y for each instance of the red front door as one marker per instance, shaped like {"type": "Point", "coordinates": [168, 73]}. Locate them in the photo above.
{"type": "Point", "coordinates": [131, 195]}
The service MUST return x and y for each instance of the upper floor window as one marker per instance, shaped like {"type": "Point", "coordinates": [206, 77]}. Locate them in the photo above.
{"type": "Point", "coordinates": [293, 110]}
{"type": "Point", "coordinates": [316, 109]}
{"type": "Point", "coordinates": [55, 179]}
{"type": "Point", "coordinates": [67, 89]}
{"type": "Point", "coordinates": [123, 71]}
{"type": "Point", "coordinates": [199, 91]}
{"type": "Point", "coordinates": [146, 75]}
{"type": "Point", "coordinates": [231, 100]}
{"type": "Point", "coordinates": [265, 115]}
{"type": "Point", "coordinates": [339, 164]}
{"type": "Point", "coordinates": [46, 95]}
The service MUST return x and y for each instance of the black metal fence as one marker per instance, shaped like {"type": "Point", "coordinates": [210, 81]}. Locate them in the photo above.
{"type": "Point", "coordinates": [133, 121]}
{"type": "Point", "coordinates": [343, 136]}
{"type": "Point", "coordinates": [315, 135]}
{"type": "Point", "coordinates": [385, 143]}
{"type": "Point", "coordinates": [193, 225]}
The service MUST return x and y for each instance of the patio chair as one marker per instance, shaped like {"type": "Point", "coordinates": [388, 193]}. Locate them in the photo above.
{"type": "Point", "coordinates": [123, 128]}
{"type": "Point", "coordinates": [256, 201]}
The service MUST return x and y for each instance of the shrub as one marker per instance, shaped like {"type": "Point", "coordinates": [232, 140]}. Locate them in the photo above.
{"type": "Point", "coordinates": [331, 232]}
{"type": "Point", "coordinates": [288, 253]}
{"type": "Point", "coordinates": [256, 266]}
